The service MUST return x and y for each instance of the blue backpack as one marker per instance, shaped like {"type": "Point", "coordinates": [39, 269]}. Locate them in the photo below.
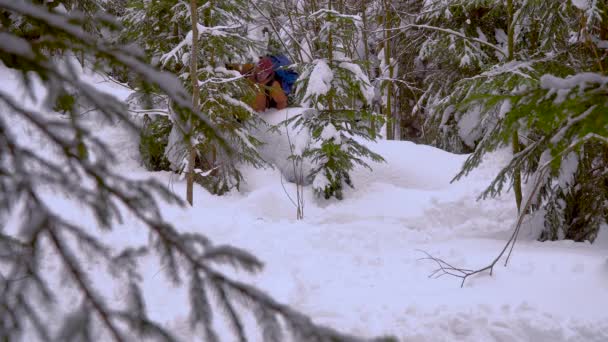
{"type": "Point", "coordinates": [287, 77]}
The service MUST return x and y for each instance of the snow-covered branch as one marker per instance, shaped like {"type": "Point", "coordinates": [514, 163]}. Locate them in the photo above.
{"type": "Point", "coordinates": [447, 31]}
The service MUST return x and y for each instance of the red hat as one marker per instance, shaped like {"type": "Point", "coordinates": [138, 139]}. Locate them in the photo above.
{"type": "Point", "coordinates": [263, 69]}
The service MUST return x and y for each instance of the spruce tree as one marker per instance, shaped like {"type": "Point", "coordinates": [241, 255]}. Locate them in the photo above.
{"type": "Point", "coordinates": [164, 28]}
{"type": "Point", "coordinates": [531, 85]}
{"type": "Point", "coordinates": [339, 91]}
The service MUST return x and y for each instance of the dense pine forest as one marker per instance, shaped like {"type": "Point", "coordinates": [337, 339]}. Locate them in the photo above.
{"type": "Point", "coordinates": [186, 148]}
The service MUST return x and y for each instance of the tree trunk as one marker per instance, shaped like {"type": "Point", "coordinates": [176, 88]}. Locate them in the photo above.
{"type": "Point", "coordinates": [365, 38]}
{"type": "Point", "coordinates": [195, 98]}
{"type": "Point", "coordinates": [516, 146]}
{"type": "Point", "coordinates": [388, 111]}
{"type": "Point", "coordinates": [330, 59]}
{"type": "Point", "coordinates": [604, 36]}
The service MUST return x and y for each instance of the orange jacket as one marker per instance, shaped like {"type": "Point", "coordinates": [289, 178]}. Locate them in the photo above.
{"type": "Point", "coordinates": [270, 95]}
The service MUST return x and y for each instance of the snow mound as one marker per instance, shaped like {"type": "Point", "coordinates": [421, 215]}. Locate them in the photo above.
{"type": "Point", "coordinates": [410, 166]}
{"type": "Point", "coordinates": [407, 165]}
{"type": "Point", "coordinates": [282, 142]}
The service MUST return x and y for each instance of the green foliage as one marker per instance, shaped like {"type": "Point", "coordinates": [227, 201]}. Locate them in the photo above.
{"type": "Point", "coordinates": [51, 40]}
{"type": "Point", "coordinates": [565, 115]}
{"type": "Point", "coordinates": [163, 28]}
{"type": "Point", "coordinates": [219, 92]}
{"type": "Point", "coordinates": [343, 29]}
{"type": "Point", "coordinates": [65, 103]}
{"type": "Point", "coordinates": [575, 209]}
{"type": "Point", "coordinates": [153, 141]}
{"type": "Point", "coordinates": [552, 96]}
{"type": "Point", "coordinates": [85, 11]}
{"type": "Point", "coordinates": [340, 93]}
{"type": "Point", "coordinates": [445, 48]}
{"type": "Point", "coordinates": [335, 150]}
{"type": "Point", "coordinates": [157, 26]}
{"type": "Point", "coordinates": [161, 25]}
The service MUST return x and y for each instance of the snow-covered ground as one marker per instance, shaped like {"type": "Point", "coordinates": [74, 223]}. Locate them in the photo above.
{"type": "Point", "coordinates": [354, 264]}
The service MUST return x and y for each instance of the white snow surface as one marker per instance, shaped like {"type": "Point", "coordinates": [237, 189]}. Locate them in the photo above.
{"type": "Point", "coordinates": [469, 128]}
{"type": "Point", "coordinates": [355, 264]}
{"type": "Point", "coordinates": [582, 4]}
{"type": "Point", "coordinates": [579, 80]}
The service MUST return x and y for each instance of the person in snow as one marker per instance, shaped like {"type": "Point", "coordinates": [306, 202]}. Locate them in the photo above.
{"type": "Point", "coordinates": [268, 90]}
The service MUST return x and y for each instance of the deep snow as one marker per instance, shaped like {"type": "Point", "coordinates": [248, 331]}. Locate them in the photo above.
{"type": "Point", "coordinates": [354, 264]}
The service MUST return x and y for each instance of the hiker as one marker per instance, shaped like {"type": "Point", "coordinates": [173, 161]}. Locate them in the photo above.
{"type": "Point", "coordinates": [269, 92]}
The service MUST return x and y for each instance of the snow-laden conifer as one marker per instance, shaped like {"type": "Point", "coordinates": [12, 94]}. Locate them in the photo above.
{"type": "Point", "coordinates": [514, 72]}
{"type": "Point", "coordinates": [339, 91]}
{"type": "Point", "coordinates": [165, 29]}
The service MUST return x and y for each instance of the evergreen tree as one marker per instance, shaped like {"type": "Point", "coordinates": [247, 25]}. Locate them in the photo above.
{"type": "Point", "coordinates": [164, 28]}
{"type": "Point", "coordinates": [336, 87]}
{"type": "Point", "coordinates": [549, 99]}
{"type": "Point", "coordinates": [532, 84]}
{"type": "Point", "coordinates": [451, 41]}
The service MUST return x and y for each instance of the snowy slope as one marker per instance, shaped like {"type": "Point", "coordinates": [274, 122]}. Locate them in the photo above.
{"type": "Point", "coordinates": [354, 264]}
